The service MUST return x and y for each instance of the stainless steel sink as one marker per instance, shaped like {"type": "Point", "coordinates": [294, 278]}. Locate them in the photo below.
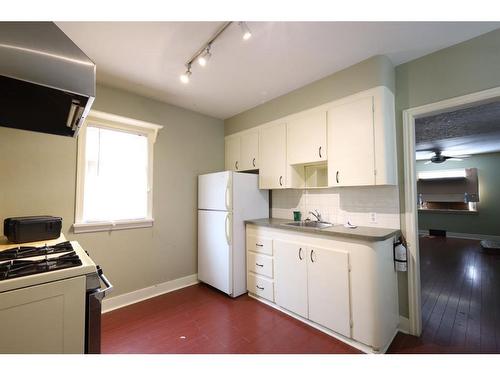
{"type": "Point", "coordinates": [309, 224]}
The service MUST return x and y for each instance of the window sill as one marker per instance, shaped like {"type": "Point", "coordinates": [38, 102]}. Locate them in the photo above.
{"type": "Point", "coordinates": [111, 225]}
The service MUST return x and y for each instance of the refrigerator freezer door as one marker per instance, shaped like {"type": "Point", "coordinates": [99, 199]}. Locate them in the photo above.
{"type": "Point", "coordinates": [214, 249]}
{"type": "Point", "coordinates": [215, 191]}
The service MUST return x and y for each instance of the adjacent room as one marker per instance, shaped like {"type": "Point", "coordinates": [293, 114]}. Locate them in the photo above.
{"type": "Point", "coordinates": [458, 190]}
{"type": "Point", "coordinates": [245, 187]}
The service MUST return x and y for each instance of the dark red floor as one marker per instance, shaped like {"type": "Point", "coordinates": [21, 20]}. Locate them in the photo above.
{"type": "Point", "coordinates": [460, 314]}
{"type": "Point", "coordinates": [199, 319]}
{"type": "Point", "coordinates": [460, 299]}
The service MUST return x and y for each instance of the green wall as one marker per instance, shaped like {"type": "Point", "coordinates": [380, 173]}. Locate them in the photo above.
{"type": "Point", "coordinates": [38, 177]}
{"type": "Point", "coordinates": [375, 71]}
{"type": "Point", "coordinates": [486, 221]}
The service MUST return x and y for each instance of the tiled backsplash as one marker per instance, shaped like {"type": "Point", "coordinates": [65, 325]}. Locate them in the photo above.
{"type": "Point", "coordinates": [338, 205]}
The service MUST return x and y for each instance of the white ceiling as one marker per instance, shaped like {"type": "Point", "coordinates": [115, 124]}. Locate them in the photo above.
{"type": "Point", "coordinates": [148, 57]}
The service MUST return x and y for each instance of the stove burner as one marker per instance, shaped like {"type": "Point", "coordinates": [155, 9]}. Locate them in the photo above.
{"type": "Point", "coordinates": [32, 251]}
{"type": "Point", "coordinates": [18, 268]}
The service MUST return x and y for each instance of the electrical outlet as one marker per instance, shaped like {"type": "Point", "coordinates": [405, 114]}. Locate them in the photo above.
{"type": "Point", "coordinates": [372, 217]}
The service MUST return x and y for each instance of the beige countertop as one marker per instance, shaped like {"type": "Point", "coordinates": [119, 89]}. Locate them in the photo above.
{"type": "Point", "coordinates": [338, 230]}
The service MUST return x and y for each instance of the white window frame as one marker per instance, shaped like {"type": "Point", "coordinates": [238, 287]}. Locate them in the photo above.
{"type": "Point", "coordinates": [113, 122]}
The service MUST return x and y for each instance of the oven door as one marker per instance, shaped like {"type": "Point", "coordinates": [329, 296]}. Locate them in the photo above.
{"type": "Point", "coordinates": [93, 310]}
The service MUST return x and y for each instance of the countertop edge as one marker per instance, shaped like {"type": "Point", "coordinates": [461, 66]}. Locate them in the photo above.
{"type": "Point", "coordinates": [330, 232]}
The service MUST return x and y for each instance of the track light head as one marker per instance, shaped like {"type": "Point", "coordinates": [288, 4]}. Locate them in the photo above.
{"type": "Point", "coordinates": [204, 57]}
{"type": "Point", "coordinates": [185, 77]}
{"type": "Point", "coordinates": [247, 34]}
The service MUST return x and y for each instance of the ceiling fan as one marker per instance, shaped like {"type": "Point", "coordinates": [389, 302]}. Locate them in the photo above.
{"type": "Point", "coordinates": [439, 158]}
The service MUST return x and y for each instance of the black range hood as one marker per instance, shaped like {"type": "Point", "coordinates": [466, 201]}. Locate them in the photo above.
{"type": "Point", "coordinates": [47, 84]}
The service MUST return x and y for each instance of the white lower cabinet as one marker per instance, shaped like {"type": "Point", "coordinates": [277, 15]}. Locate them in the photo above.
{"type": "Point", "coordinates": [291, 271]}
{"type": "Point", "coordinates": [348, 286]}
{"type": "Point", "coordinates": [328, 289]}
{"type": "Point", "coordinates": [313, 282]}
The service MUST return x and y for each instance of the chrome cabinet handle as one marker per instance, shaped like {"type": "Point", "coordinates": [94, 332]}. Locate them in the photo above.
{"type": "Point", "coordinates": [300, 254]}
{"type": "Point", "coordinates": [236, 165]}
{"type": "Point", "coordinates": [259, 265]}
{"type": "Point", "coordinates": [319, 151]}
{"type": "Point", "coordinates": [259, 287]}
{"type": "Point", "coordinates": [253, 162]}
{"type": "Point", "coordinates": [337, 176]}
{"type": "Point", "coordinates": [259, 245]}
{"type": "Point", "coordinates": [312, 252]}
{"type": "Point", "coordinates": [281, 180]}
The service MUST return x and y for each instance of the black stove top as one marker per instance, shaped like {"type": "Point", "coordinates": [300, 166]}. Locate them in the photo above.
{"type": "Point", "coordinates": [11, 266]}
{"type": "Point", "coordinates": [32, 251]}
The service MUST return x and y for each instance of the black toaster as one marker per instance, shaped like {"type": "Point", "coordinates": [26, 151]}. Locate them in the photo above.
{"type": "Point", "coordinates": [32, 228]}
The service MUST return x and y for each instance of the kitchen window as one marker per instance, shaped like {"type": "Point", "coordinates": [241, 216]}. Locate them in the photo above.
{"type": "Point", "coordinates": [114, 173]}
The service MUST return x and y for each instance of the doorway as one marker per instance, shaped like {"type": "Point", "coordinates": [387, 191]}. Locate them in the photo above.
{"type": "Point", "coordinates": [411, 197]}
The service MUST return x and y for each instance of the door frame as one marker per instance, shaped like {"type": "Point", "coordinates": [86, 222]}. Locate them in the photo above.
{"type": "Point", "coordinates": [410, 214]}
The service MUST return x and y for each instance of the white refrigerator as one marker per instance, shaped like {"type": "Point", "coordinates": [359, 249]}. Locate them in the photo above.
{"type": "Point", "coordinates": [225, 201]}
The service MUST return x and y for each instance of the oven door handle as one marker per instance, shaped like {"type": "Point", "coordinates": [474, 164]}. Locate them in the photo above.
{"type": "Point", "coordinates": [109, 287]}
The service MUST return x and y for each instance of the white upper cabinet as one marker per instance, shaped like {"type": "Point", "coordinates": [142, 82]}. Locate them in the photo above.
{"type": "Point", "coordinates": [272, 157]}
{"type": "Point", "coordinates": [306, 138]}
{"type": "Point", "coordinates": [350, 139]}
{"type": "Point", "coordinates": [361, 140]}
{"type": "Point", "coordinates": [249, 154]}
{"type": "Point", "coordinates": [232, 153]}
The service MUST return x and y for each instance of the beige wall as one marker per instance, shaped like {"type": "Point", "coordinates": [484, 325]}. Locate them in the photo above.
{"type": "Point", "coordinates": [37, 176]}
{"type": "Point", "coordinates": [375, 71]}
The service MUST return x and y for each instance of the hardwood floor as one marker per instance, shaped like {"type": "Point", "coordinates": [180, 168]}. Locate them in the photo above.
{"type": "Point", "coordinates": [460, 299]}
{"type": "Point", "coordinates": [460, 314]}
{"type": "Point", "coordinates": [199, 319]}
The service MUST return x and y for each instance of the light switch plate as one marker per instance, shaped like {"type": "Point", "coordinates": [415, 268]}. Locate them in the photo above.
{"type": "Point", "coordinates": [372, 217]}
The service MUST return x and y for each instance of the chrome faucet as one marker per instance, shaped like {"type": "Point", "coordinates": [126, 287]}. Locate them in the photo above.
{"type": "Point", "coordinates": [317, 215]}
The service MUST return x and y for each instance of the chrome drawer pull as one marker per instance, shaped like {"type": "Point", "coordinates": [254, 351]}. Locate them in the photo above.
{"type": "Point", "coordinates": [259, 265]}
{"type": "Point", "coordinates": [258, 287]}
{"type": "Point", "coordinates": [259, 245]}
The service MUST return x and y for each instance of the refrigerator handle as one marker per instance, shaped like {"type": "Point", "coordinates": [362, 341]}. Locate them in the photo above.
{"type": "Point", "coordinates": [227, 197]}
{"type": "Point", "coordinates": [227, 227]}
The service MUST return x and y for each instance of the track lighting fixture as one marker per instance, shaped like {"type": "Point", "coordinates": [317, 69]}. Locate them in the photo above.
{"type": "Point", "coordinates": [247, 34]}
{"type": "Point", "coordinates": [185, 77]}
{"type": "Point", "coordinates": [204, 57]}
{"type": "Point", "coordinates": [204, 54]}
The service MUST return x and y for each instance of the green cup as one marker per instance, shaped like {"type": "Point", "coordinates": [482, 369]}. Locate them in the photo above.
{"type": "Point", "coordinates": [297, 215]}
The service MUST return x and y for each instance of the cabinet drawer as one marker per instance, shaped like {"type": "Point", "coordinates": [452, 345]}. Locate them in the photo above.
{"type": "Point", "coordinates": [260, 264]}
{"type": "Point", "coordinates": [260, 286]}
{"type": "Point", "coordinates": [260, 244]}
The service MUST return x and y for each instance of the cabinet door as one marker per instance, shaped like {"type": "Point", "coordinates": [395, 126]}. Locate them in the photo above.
{"type": "Point", "coordinates": [250, 151]}
{"type": "Point", "coordinates": [306, 138]}
{"type": "Point", "coordinates": [232, 149]}
{"type": "Point", "coordinates": [351, 153]}
{"type": "Point", "coordinates": [272, 158]}
{"type": "Point", "coordinates": [290, 268]}
{"type": "Point", "coordinates": [328, 289]}
{"type": "Point", "coordinates": [46, 318]}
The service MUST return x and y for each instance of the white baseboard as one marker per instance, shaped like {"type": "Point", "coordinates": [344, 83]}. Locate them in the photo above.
{"type": "Point", "coordinates": [467, 236]}
{"type": "Point", "coordinates": [113, 303]}
{"type": "Point", "coordinates": [404, 325]}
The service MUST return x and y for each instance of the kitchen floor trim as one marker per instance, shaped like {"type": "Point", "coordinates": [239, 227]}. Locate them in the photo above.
{"type": "Point", "coordinates": [130, 298]}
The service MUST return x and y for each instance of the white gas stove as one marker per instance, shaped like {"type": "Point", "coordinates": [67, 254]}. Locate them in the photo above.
{"type": "Point", "coordinates": [50, 298]}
